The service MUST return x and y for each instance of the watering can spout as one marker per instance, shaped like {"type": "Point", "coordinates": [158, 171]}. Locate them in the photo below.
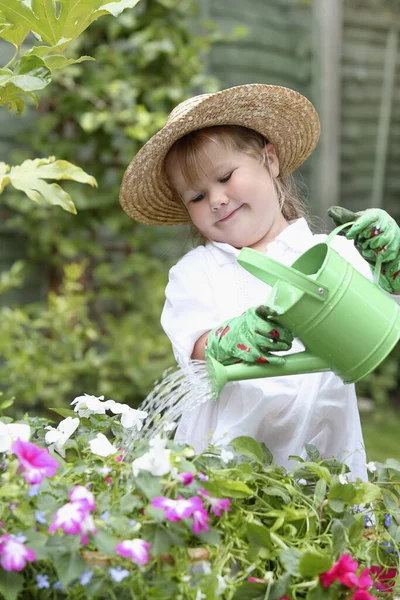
{"type": "Point", "coordinates": [295, 364]}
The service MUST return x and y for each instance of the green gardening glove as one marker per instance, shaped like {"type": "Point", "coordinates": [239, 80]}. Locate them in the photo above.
{"type": "Point", "coordinates": [375, 232]}
{"type": "Point", "coordinates": [249, 338]}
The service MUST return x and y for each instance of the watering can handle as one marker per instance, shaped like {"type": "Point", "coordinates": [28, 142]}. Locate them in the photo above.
{"type": "Point", "coordinates": [378, 264]}
{"type": "Point", "coordinates": [270, 271]}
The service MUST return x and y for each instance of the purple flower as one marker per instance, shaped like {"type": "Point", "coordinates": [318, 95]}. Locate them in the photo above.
{"type": "Point", "coordinates": [86, 577]}
{"type": "Point", "coordinates": [186, 478]}
{"type": "Point", "coordinates": [175, 510]}
{"type": "Point", "coordinates": [40, 518]}
{"type": "Point", "coordinates": [137, 550]}
{"type": "Point", "coordinates": [388, 520]}
{"type": "Point", "coordinates": [118, 574]}
{"type": "Point", "coordinates": [200, 518]}
{"type": "Point", "coordinates": [33, 490]}
{"type": "Point", "coordinates": [14, 555]}
{"type": "Point", "coordinates": [42, 581]}
{"type": "Point", "coordinates": [35, 463]}
{"type": "Point", "coordinates": [202, 477]}
{"type": "Point", "coordinates": [57, 585]}
{"type": "Point", "coordinates": [80, 494]}
{"type": "Point", "coordinates": [69, 518]}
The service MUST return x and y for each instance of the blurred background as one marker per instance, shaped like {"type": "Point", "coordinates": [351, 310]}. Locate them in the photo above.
{"type": "Point", "coordinates": [81, 295]}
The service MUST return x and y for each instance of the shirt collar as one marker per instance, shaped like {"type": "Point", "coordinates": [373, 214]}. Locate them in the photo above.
{"type": "Point", "coordinates": [296, 236]}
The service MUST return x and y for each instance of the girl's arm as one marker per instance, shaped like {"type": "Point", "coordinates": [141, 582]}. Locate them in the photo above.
{"type": "Point", "coordinates": [199, 347]}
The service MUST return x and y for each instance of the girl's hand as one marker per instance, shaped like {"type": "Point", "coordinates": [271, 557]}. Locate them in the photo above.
{"type": "Point", "coordinates": [249, 338]}
{"type": "Point", "coordinates": [375, 232]}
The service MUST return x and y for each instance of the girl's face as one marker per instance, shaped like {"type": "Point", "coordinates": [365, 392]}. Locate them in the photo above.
{"type": "Point", "coordinates": [235, 202]}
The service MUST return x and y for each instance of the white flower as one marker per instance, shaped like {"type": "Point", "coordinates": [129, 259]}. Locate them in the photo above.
{"type": "Point", "coordinates": [221, 585]}
{"type": "Point", "coordinates": [371, 466]}
{"type": "Point", "coordinates": [170, 426]}
{"type": "Point", "coordinates": [343, 479]}
{"type": "Point", "coordinates": [101, 446]}
{"type": "Point", "coordinates": [156, 461]}
{"type": "Point", "coordinates": [226, 455]}
{"type": "Point", "coordinates": [9, 432]}
{"type": "Point", "coordinates": [59, 436]}
{"type": "Point", "coordinates": [200, 595]}
{"type": "Point", "coordinates": [89, 405]}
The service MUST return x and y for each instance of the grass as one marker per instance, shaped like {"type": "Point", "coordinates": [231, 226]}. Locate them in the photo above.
{"type": "Point", "coordinates": [381, 435]}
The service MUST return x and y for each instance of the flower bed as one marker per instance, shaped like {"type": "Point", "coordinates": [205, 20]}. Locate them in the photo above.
{"type": "Point", "coordinates": [86, 514]}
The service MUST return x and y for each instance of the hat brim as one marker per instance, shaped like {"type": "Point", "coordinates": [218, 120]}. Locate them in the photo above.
{"type": "Point", "coordinates": [284, 117]}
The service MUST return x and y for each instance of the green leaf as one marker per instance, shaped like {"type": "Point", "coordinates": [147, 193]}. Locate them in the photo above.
{"type": "Point", "coordinates": [390, 500]}
{"type": "Point", "coordinates": [278, 492]}
{"type": "Point", "coordinates": [68, 566]}
{"type": "Point", "coordinates": [55, 62]}
{"type": "Point", "coordinates": [250, 591]}
{"type": "Point", "coordinates": [249, 447]}
{"type": "Point", "coordinates": [9, 490]}
{"type": "Point", "coordinates": [356, 530]}
{"type": "Point", "coordinates": [30, 177]}
{"type": "Point", "coordinates": [312, 563]}
{"type": "Point", "coordinates": [106, 542]}
{"type": "Point", "coordinates": [336, 505]}
{"type": "Point", "coordinates": [290, 559]}
{"type": "Point", "coordinates": [366, 492]}
{"type": "Point", "coordinates": [338, 537]}
{"type": "Point", "coordinates": [319, 492]}
{"type": "Point", "coordinates": [339, 491]}
{"type": "Point", "coordinates": [59, 29]}
{"type": "Point", "coordinates": [148, 484]}
{"type": "Point", "coordinates": [11, 584]}
{"type": "Point", "coordinates": [258, 535]}
{"type": "Point", "coordinates": [235, 489]}
{"type": "Point", "coordinates": [212, 536]}
{"type": "Point", "coordinates": [312, 452]}
{"type": "Point", "coordinates": [37, 542]}
{"type": "Point", "coordinates": [64, 412]}
{"type": "Point", "coordinates": [159, 540]}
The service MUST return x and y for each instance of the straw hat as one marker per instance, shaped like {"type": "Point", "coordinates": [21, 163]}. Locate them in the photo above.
{"type": "Point", "coordinates": [284, 117]}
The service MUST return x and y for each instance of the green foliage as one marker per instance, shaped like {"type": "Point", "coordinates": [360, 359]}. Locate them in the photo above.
{"type": "Point", "coordinates": [282, 528]}
{"type": "Point", "coordinates": [31, 175]}
{"type": "Point", "coordinates": [104, 336]}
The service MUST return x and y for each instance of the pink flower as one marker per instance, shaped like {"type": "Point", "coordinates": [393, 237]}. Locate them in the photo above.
{"type": "Point", "coordinates": [137, 550]}
{"type": "Point", "coordinates": [255, 580]}
{"type": "Point", "coordinates": [35, 463]}
{"type": "Point", "coordinates": [362, 595]}
{"type": "Point", "coordinates": [175, 510]}
{"type": "Point", "coordinates": [384, 578]}
{"type": "Point", "coordinates": [14, 555]}
{"type": "Point", "coordinates": [364, 581]}
{"type": "Point", "coordinates": [200, 518]}
{"type": "Point", "coordinates": [217, 504]}
{"type": "Point", "coordinates": [344, 570]}
{"type": "Point", "coordinates": [186, 478]}
{"type": "Point", "coordinates": [108, 480]}
{"type": "Point", "coordinates": [81, 494]}
{"type": "Point", "coordinates": [87, 526]}
{"type": "Point", "coordinates": [70, 518]}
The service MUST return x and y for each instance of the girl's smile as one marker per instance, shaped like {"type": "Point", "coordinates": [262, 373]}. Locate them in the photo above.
{"type": "Point", "coordinates": [235, 200]}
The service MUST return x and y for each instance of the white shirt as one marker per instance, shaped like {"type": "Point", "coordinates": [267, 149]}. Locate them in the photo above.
{"type": "Point", "coordinates": [208, 286]}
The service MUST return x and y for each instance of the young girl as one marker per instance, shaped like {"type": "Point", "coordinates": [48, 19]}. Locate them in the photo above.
{"type": "Point", "coordinates": [222, 162]}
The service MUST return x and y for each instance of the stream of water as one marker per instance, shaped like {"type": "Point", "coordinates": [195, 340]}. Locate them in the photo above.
{"type": "Point", "coordinates": [181, 389]}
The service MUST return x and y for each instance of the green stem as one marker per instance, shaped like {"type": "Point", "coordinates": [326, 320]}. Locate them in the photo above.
{"type": "Point", "coordinates": [14, 58]}
{"type": "Point", "coordinates": [278, 541]}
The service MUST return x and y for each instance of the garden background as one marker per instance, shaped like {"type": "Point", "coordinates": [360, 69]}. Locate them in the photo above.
{"type": "Point", "coordinates": [81, 294]}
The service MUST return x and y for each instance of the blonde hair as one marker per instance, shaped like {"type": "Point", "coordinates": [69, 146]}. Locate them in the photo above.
{"type": "Point", "coordinates": [191, 153]}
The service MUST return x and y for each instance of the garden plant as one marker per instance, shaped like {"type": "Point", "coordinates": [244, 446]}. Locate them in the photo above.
{"type": "Point", "coordinates": [86, 513]}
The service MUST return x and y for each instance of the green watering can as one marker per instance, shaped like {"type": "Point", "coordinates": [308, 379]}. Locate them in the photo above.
{"type": "Point", "coordinates": [347, 324]}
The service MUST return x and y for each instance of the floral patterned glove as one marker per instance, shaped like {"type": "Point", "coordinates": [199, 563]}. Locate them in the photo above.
{"type": "Point", "coordinates": [375, 232]}
{"type": "Point", "coordinates": [249, 338]}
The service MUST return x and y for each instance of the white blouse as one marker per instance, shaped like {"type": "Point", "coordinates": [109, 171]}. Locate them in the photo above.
{"type": "Point", "coordinates": [208, 286]}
